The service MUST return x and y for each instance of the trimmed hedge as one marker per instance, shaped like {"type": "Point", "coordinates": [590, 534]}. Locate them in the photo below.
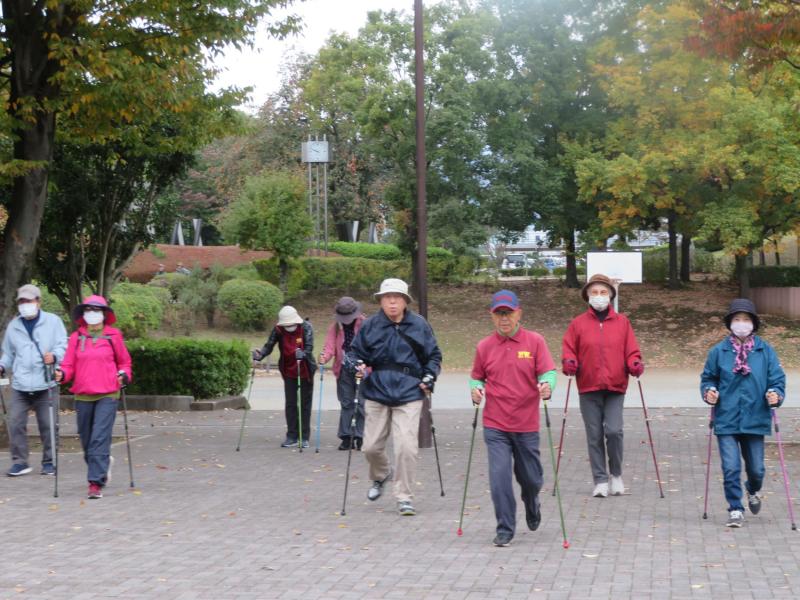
{"type": "Point", "coordinates": [364, 250]}
{"type": "Point", "coordinates": [139, 308]}
{"type": "Point", "coordinates": [189, 367]}
{"type": "Point", "coordinates": [340, 273]}
{"type": "Point", "coordinates": [775, 276]}
{"type": "Point", "coordinates": [249, 304]}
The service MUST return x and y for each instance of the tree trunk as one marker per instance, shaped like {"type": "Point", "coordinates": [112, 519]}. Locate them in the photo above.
{"type": "Point", "coordinates": [777, 256]}
{"type": "Point", "coordinates": [31, 73]}
{"type": "Point", "coordinates": [673, 282]}
{"type": "Point", "coordinates": [686, 257]}
{"type": "Point", "coordinates": [743, 274]}
{"type": "Point", "coordinates": [762, 257]}
{"type": "Point", "coordinates": [283, 274]}
{"type": "Point", "coordinates": [25, 210]}
{"type": "Point", "coordinates": [572, 267]}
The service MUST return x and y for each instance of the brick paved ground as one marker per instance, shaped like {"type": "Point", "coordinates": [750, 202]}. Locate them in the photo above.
{"type": "Point", "coordinates": [206, 522]}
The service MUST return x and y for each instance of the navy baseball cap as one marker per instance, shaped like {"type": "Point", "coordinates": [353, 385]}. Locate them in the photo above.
{"type": "Point", "coordinates": [504, 299]}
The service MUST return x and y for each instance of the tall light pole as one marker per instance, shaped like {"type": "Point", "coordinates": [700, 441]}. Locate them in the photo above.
{"type": "Point", "coordinates": [421, 275]}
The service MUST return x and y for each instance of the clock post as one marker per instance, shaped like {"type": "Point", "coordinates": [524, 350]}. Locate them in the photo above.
{"type": "Point", "coordinates": [315, 153]}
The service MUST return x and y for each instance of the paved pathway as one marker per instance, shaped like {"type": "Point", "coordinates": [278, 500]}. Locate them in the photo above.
{"type": "Point", "coordinates": [206, 522]}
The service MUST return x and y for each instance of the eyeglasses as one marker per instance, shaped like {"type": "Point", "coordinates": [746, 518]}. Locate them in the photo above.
{"type": "Point", "coordinates": [503, 313]}
{"type": "Point", "coordinates": [92, 309]}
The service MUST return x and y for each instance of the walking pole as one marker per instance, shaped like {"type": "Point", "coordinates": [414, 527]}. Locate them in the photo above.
{"type": "Point", "coordinates": [299, 410]}
{"type": "Point", "coordinates": [708, 461]}
{"type": "Point", "coordinates": [48, 377]}
{"type": "Point", "coordinates": [650, 436]}
{"type": "Point", "coordinates": [783, 468]}
{"type": "Point", "coordinates": [246, 407]}
{"type": "Point", "coordinates": [435, 446]}
{"type": "Point", "coordinates": [127, 436]}
{"type": "Point", "coordinates": [352, 440]}
{"type": "Point", "coordinates": [319, 409]}
{"type": "Point", "coordinates": [555, 473]}
{"type": "Point", "coordinates": [563, 425]}
{"type": "Point", "coordinates": [4, 381]}
{"type": "Point", "coordinates": [469, 464]}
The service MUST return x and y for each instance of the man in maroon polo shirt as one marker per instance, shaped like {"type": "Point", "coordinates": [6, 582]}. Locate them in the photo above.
{"type": "Point", "coordinates": [512, 369]}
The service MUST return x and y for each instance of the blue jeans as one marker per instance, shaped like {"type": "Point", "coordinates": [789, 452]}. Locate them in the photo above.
{"type": "Point", "coordinates": [752, 450]}
{"type": "Point", "coordinates": [95, 425]}
{"type": "Point", "coordinates": [502, 446]}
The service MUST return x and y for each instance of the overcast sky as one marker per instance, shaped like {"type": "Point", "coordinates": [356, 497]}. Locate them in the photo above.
{"type": "Point", "coordinates": [260, 67]}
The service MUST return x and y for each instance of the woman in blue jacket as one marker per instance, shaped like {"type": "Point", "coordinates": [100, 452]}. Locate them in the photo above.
{"type": "Point", "coordinates": [743, 379]}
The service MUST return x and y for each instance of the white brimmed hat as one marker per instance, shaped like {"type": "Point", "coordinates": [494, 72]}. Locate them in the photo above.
{"type": "Point", "coordinates": [394, 286]}
{"type": "Point", "coordinates": [288, 315]}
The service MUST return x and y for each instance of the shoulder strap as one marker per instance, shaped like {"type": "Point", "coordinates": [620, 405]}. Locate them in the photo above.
{"type": "Point", "coordinates": [415, 347]}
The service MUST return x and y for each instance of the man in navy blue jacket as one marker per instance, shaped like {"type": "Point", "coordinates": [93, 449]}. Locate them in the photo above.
{"type": "Point", "coordinates": [401, 350]}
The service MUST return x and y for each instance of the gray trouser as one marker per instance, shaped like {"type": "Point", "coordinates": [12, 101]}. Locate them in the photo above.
{"type": "Point", "coordinates": [21, 403]}
{"type": "Point", "coordinates": [602, 417]}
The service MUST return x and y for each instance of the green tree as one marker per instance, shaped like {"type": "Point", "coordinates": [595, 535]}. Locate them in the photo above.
{"type": "Point", "coordinates": [201, 289]}
{"type": "Point", "coordinates": [98, 66]}
{"type": "Point", "coordinates": [271, 215]}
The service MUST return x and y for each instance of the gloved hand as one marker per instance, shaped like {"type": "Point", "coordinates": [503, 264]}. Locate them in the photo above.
{"type": "Point", "coordinates": [299, 354]}
{"type": "Point", "coordinates": [637, 368]}
{"type": "Point", "coordinates": [569, 366]}
{"type": "Point", "coordinates": [58, 375]}
{"type": "Point", "coordinates": [427, 383]}
{"type": "Point", "coordinates": [257, 355]}
{"type": "Point", "coordinates": [123, 378]}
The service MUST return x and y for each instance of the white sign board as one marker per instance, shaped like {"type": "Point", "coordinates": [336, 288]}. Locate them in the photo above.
{"type": "Point", "coordinates": [626, 266]}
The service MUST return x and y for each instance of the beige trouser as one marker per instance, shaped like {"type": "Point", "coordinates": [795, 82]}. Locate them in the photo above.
{"type": "Point", "coordinates": [404, 423]}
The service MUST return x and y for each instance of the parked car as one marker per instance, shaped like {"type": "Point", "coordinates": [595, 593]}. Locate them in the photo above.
{"type": "Point", "coordinates": [515, 261]}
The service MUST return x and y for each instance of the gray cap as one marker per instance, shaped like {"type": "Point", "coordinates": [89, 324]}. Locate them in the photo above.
{"type": "Point", "coordinates": [29, 292]}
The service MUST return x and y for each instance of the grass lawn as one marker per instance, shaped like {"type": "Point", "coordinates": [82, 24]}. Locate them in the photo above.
{"type": "Point", "coordinates": [674, 328]}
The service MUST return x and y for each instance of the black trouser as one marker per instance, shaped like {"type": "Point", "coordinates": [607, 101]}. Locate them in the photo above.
{"type": "Point", "coordinates": [306, 392]}
{"type": "Point", "coordinates": [346, 392]}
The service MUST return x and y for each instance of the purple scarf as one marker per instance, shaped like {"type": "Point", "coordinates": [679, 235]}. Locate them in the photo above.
{"type": "Point", "coordinates": [742, 350]}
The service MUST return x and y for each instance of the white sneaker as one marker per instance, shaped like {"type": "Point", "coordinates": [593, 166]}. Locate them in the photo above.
{"type": "Point", "coordinates": [617, 486]}
{"type": "Point", "coordinates": [601, 490]}
{"type": "Point", "coordinates": [108, 473]}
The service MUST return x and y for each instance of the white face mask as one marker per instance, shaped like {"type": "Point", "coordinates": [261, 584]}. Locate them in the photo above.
{"type": "Point", "coordinates": [599, 303]}
{"type": "Point", "coordinates": [93, 317]}
{"type": "Point", "coordinates": [290, 328]}
{"type": "Point", "coordinates": [741, 329]}
{"type": "Point", "coordinates": [28, 310]}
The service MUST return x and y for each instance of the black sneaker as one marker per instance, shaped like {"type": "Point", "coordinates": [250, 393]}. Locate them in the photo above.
{"type": "Point", "coordinates": [534, 517]}
{"type": "Point", "coordinates": [502, 540]}
{"type": "Point", "coordinates": [48, 469]}
{"type": "Point", "coordinates": [359, 443]}
{"type": "Point", "coordinates": [288, 443]}
{"type": "Point", "coordinates": [345, 445]}
{"type": "Point", "coordinates": [754, 502]}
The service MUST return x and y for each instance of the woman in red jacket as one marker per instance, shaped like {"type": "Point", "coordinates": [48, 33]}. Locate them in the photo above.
{"type": "Point", "coordinates": [600, 349]}
{"type": "Point", "coordinates": [98, 364]}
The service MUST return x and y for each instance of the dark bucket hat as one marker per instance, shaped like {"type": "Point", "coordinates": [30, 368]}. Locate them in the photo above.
{"type": "Point", "coordinates": [742, 305]}
{"type": "Point", "coordinates": [598, 278]}
{"type": "Point", "coordinates": [95, 302]}
{"type": "Point", "coordinates": [347, 310]}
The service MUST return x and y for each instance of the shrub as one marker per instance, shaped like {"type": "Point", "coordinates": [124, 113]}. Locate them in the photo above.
{"type": "Point", "coordinates": [249, 304]}
{"type": "Point", "coordinates": [351, 273]}
{"type": "Point", "coordinates": [444, 267]}
{"type": "Point", "coordinates": [184, 366]}
{"type": "Point", "coordinates": [364, 250]}
{"type": "Point", "coordinates": [174, 282]}
{"type": "Point", "coordinates": [201, 289]}
{"type": "Point", "coordinates": [268, 270]}
{"type": "Point", "coordinates": [775, 276]}
{"type": "Point", "coordinates": [139, 308]}
{"type": "Point", "coordinates": [655, 264]}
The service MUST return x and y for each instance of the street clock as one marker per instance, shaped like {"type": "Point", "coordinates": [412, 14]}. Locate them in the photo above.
{"type": "Point", "coordinates": [315, 152]}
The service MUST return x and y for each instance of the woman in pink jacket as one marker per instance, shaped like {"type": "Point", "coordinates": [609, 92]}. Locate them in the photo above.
{"type": "Point", "coordinates": [98, 364]}
{"type": "Point", "coordinates": [348, 321]}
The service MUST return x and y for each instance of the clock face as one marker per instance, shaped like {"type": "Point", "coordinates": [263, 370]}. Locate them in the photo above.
{"type": "Point", "coordinates": [317, 152]}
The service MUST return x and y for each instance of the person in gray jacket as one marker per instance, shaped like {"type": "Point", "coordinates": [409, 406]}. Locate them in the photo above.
{"type": "Point", "coordinates": [32, 345]}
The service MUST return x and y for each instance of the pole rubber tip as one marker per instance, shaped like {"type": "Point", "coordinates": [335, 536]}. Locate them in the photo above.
{"type": "Point", "coordinates": [565, 544]}
{"type": "Point", "coordinates": [459, 532]}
